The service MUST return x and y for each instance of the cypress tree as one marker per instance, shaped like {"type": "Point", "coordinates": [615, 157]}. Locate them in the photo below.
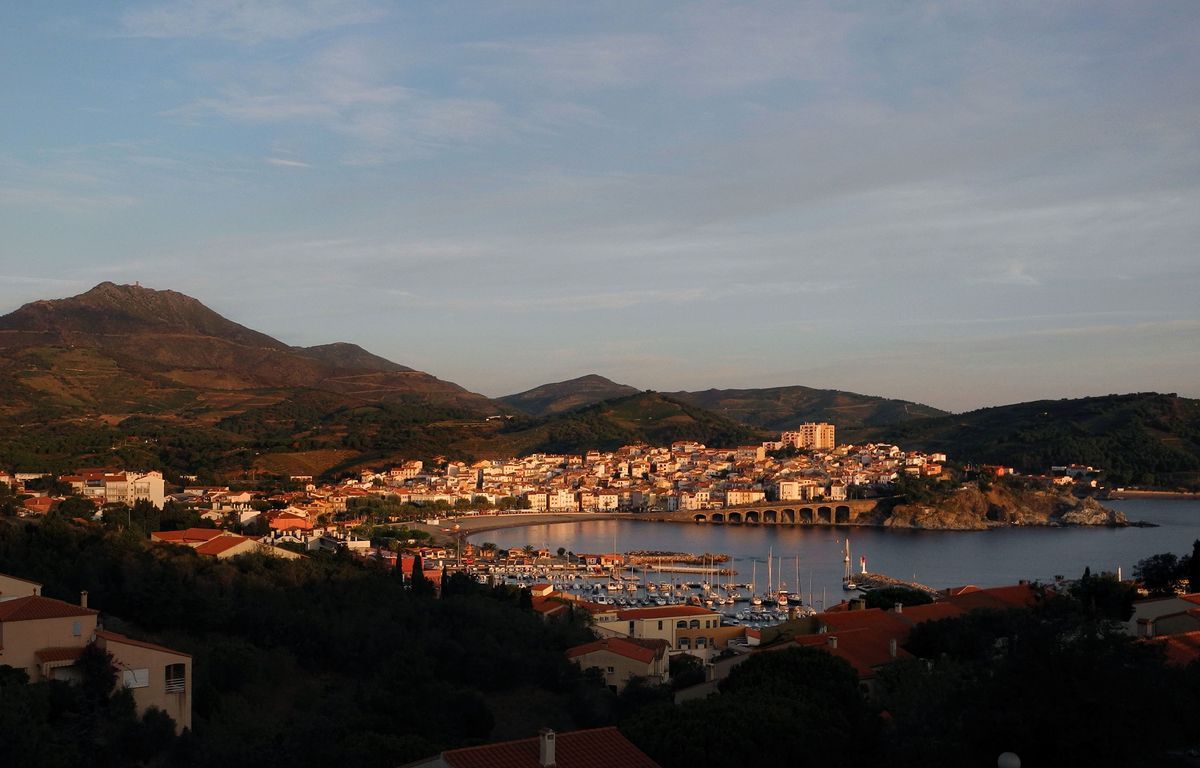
{"type": "Point", "coordinates": [1193, 571]}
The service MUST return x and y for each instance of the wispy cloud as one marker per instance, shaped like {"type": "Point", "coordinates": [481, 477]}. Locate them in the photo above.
{"type": "Point", "coordinates": [247, 22]}
{"type": "Point", "coordinates": [286, 163]}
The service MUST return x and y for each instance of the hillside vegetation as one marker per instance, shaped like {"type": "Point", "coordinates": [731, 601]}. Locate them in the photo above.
{"type": "Point", "coordinates": [783, 408]}
{"type": "Point", "coordinates": [1144, 438]}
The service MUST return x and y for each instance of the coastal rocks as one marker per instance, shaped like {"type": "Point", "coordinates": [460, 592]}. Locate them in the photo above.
{"type": "Point", "coordinates": [971, 509]}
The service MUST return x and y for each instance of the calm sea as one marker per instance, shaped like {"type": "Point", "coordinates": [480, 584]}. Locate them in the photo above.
{"type": "Point", "coordinates": [935, 558]}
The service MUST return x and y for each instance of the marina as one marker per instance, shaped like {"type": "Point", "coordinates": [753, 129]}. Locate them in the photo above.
{"type": "Point", "coordinates": [815, 557]}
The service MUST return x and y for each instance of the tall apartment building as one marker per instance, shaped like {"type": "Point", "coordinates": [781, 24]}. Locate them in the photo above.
{"type": "Point", "coordinates": [810, 436]}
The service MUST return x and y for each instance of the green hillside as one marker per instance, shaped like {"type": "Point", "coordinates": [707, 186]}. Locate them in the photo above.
{"type": "Point", "coordinates": [782, 408]}
{"type": "Point", "coordinates": [1144, 438]}
{"type": "Point", "coordinates": [563, 396]}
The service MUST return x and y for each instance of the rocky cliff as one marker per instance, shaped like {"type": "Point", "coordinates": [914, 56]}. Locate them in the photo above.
{"type": "Point", "coordinates": [970, 509]}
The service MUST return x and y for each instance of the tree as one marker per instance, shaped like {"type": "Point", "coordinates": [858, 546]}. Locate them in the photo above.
{"type": "Point", "coordinates": [1193, 568]}
{"type": "Point", "coordinates": [1158, 573]}
{"type": "Point", "coordinates": [562, 551]}
{"type": "Point", "coordinates": [888, 597]}
{"type": "Point", "coordinates": [420, 585]}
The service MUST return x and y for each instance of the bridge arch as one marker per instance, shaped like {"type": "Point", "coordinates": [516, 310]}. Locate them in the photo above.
{"type": "Point", "coordinates": [787, 517]}
{"type": "Point", "coordinates": [752, 516]}
{"type": "Point", "coordinates": [718, 517]}
{"type": "Point", "coordinates": [806, 515]}
{"type": "Point", "coordinates": [841, 514]}
{"type": "Point", "coordinates": [770, 516]}
{"type": "Point", "coordinates": [735, 517]}
{"type": "Point", "coordinates": [825, 515]}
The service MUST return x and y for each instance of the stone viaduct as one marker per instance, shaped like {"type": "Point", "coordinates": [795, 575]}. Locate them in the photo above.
{"type": "Point", "coordinates": [856, 512]}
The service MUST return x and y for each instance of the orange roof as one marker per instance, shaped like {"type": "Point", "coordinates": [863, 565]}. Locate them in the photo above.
{"type": "Point", "coordinates": [190, 536]}
{"type": "Point", "coordinates": [59, 654]}
{"type": "Point", "coordinates": [115, 637]}
{"type": "Point", "coordinates": [1181, 649]}
{"type": "Point", "coordinates": [865, 649]}
{"type": "Point", "coordinates": [35, 607]}
{"type": "Point", "coordinates": [663, 612]}
{"type": "Point", "coordinates": [221, 544]}
{"type": "Point", "coordinates": [1014, 596]}
{"type": "Point", "coordinates": [548, 605]}
{"type": "Point", "coordinates": [641, 650]}
{"type": "Point", "coordinates": [595, 748]}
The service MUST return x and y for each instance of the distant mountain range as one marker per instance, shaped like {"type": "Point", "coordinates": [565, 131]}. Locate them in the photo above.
{"type": "Point", "coordinates": [141, 377]}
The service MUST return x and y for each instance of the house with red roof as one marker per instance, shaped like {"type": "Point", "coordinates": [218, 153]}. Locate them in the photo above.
{"type": "Point", "coordinates": [620, 659]}
{"type": "Point", "coordinates": [46, 638]}
{"type": "Point", "coordinates": [871, 638]}
{"type": "Point", "coordinates": [594, 748]}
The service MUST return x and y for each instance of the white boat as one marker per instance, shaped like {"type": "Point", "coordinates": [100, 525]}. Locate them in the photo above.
{"type": "Point", "coordinates": [847, 580]}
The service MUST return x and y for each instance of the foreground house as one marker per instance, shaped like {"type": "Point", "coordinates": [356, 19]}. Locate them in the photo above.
{"type": "Point", "coordinates": [594, 748]}
{"type": "Point", "coordinates": [46, 637]}
{"type": "Point", "coordinates": [621, 659]}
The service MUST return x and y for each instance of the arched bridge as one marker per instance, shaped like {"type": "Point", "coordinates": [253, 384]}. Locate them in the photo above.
{"type": "Point", "coordinates": [856, 512]}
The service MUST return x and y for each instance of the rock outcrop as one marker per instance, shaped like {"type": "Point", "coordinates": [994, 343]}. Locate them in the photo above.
{"type": "Point", "coordinates": [972, 509]}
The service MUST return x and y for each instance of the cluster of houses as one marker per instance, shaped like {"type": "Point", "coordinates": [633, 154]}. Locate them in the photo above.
{"type": "Point", "coordinates": [687, 475]}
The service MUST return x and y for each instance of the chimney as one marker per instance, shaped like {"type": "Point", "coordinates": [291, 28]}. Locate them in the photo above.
{"type": "Point", "coordinates": [833, 641]}
{"type": "Point", "coordinates": [892, 647]}
{"type": "Point", "coordinates": [83, 599]}
{"type": "Point", "coordinates": [546, 748]}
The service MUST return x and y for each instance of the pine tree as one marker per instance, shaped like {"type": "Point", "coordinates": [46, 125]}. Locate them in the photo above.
{"type": "Point", "coordinates": [1194, 568]}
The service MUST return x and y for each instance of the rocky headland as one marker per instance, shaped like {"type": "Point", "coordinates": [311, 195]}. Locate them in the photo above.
{"type": "Point", "coordinates": [972, 509]}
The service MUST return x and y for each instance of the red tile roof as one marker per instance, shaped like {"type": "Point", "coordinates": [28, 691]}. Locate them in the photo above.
{"type": "Point", "coordinates": [1015, 596]}
{"type": "Point", "coordinates": [190, 536]}
{"type": "Point", "coordinates": [644, 651]}
{"type": "Point", "coordinates": [36, 607]}
{"type": "Point", "coordinates": [115, 637]}
{"type": "Point", "coordinates": [59, 654]}
{"type": "Point", "coordinates": [1181, 649]}
{"type": "Point", "coordinates": [864, 649]}
{"type": "Point", "coordinates": [630, 614]}
{"type": "Point", "coordinates": [595, 748]}
{"type": "Point", "coordinates": [221, 544]}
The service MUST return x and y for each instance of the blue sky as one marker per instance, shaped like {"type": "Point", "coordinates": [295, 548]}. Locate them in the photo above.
{"type": "Point", "coordinates": [963, 204]}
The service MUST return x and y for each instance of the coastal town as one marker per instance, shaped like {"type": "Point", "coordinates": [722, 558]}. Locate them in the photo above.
{"type": "Point", "coordinates": [645, 610]}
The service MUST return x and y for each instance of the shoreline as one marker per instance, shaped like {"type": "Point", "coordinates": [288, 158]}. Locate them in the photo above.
{"type": "Point", "coordinates": [472, 526]}
{"type": "Point", "coordinates": [1165, 495]}
{"type": "Point", "coordinates": [476, 524]}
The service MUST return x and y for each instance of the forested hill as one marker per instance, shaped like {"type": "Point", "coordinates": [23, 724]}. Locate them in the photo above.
{"type": "Point", "coordinates": [783, 408]}
{"type": "Point", "coordinates": [1143, 438]}
{"type": "Point", "coordinates": [563, 396]}
{"type": "Point", "coordinates": [647, 417]}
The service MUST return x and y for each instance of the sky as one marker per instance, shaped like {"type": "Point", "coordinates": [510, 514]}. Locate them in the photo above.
{"type": "Point", "coordinates": [958, 203]}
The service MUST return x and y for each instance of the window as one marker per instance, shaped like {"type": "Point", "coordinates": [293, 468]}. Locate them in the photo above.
{"type": "Point", "coordinates": [695, 624]}
{"type": "Point", "coordinates": [610, 670]}
{"type": "Point", "coordinates": [175, 678]}
{"type": "Point", "coordinates": [631, 629]}
{"type": "Point", "coordinates": [681, 624]}
{"type": "Point", "coordinates": [136, 678]}
{"type": "Point", "coordinates": [660, 625]}
{"type": "Point", "coordinates": [76, 629]}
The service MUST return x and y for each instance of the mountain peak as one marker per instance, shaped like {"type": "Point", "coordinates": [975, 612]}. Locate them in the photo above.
{"type": "Point", "coordinates": [112, 309]}
{"type": "Point", "coordinates": [562, 396]}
